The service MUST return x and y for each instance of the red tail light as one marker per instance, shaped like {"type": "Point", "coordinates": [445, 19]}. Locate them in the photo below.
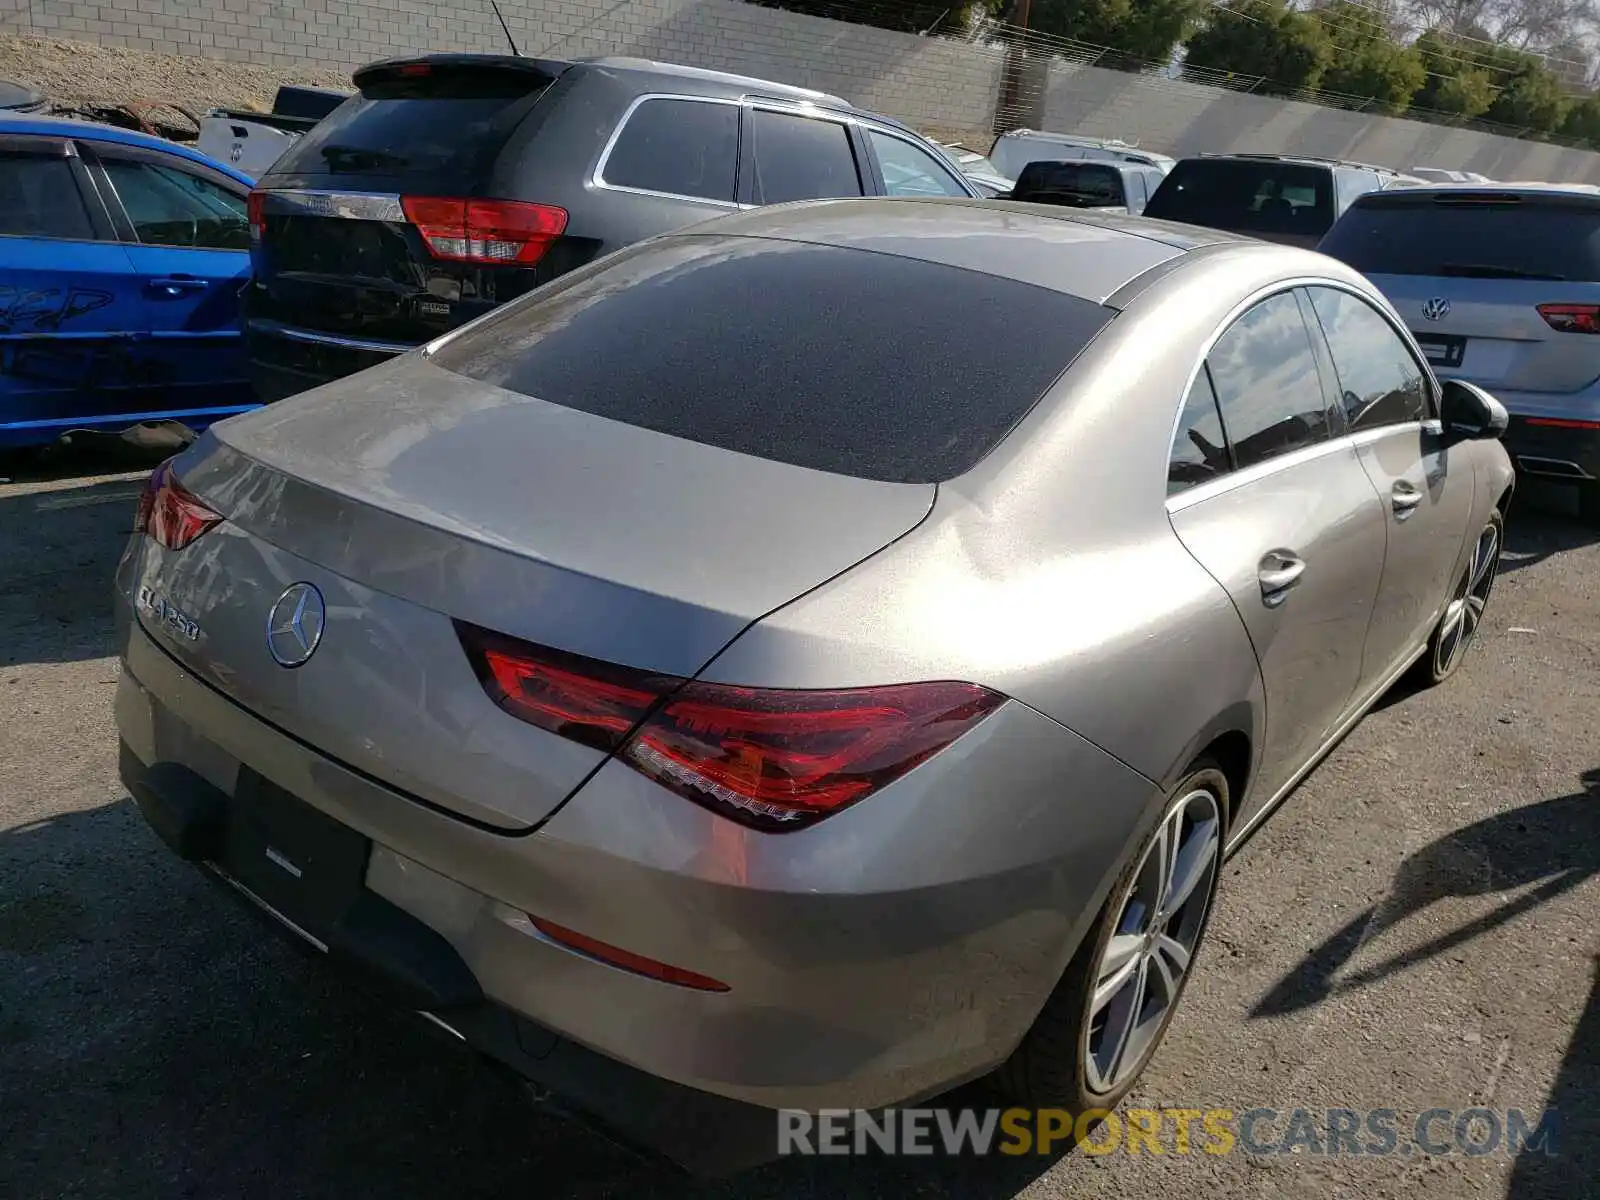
{"type": "Point", "coordinates": [504, 232]}
{"type": "Point", "coordinates": [170, 513]}
{"type": "Point", "coordinates": [784, 759]}
{"type": "Point", "coordinates": [258, 219]}
{"type": "Point", "coordinates": [1571, 318]}
{"type": "Point", "coordinates": [770, 759]}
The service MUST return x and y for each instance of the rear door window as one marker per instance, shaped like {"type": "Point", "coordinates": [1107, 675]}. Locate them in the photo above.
{"type": "Point", "coordinates": [801, 158]}
{"type": "Point", "coordinates": [857, 363]}
{"type": "Point", "coordinates": [1268, 196]}
{"type": "Point", "coordinates": [39, 198]}
{"type": "Point", "coordinates": [1471, 236]}
{"type": "Point", "coordinates": [436, 132]}
{"type": "Point", "coordinates": [677, 147]}
{"type": "Point", "coordinates": [1267, 383]}
{"type": "Point", "coordinates": [1200, 447]}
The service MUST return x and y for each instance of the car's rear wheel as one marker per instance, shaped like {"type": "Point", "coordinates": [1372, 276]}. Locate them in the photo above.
{"type": "Point", "coordinates": [1102, 1024]}
{"type": "Point", "coordinates": [1458, 626]}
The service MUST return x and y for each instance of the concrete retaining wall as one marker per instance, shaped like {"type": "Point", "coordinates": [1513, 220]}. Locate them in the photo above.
{"type": "Point", "coordinates": [932, 82]}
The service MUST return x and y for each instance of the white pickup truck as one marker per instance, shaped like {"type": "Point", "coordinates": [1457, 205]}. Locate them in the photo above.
{"type": "Point", "coordinates": [252, 141]}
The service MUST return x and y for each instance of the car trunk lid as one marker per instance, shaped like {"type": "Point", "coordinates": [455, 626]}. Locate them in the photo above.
{"type": "Point", "coordinates": [412, 497]}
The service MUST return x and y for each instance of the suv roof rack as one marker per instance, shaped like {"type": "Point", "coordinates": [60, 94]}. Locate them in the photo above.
{"type": "Point", "coordinates": [774, 89]}
{"type": "Point", "coordinates": [1306, 158]}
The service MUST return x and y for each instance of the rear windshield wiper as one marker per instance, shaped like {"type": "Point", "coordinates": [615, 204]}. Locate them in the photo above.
{"type": "Point", "coordinates": [1490, 271]}
{"type": "Point", "coordinates": [356, 158]}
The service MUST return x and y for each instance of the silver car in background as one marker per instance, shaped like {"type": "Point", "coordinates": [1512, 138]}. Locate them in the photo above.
{"type": "Point", "coordinates": [1500, 284]}
{"type": "Point", "coordinates": [810, 660]}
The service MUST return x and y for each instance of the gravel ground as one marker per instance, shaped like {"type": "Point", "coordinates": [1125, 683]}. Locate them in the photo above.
{"type": "Point", "coordinates": [74, 72]}
{"type": "Point", "coordinates": [1416, 927]}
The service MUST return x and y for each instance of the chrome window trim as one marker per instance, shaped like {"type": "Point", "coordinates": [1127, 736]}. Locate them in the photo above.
{"type": "Point", "coordinates": [871, 127]}
{"type": "Point", "coordinates": [319, 202]}
{"type": "Point", "coordinates": [1419, 359]}
{"type": "Point", "coordinates": [275, 329]}
{"type": "Point", "coordinates": [597, 176]}
{"type": "Point", "coordinates": [1348, 441]}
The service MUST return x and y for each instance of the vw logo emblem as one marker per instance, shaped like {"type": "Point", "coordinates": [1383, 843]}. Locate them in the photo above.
{"type": "Point", "coordinates": [294, 626]}
{"type": "Point", "coordinates": [1436, 309]}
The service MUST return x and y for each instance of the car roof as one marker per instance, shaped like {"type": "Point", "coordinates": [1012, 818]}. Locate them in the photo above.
{"type": "Point", "coordinates": [91, 131]}
{"type": "Point", "coordinates": [1090, 255]}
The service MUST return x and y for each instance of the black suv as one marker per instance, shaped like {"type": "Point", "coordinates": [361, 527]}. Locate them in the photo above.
{"type": "Point", "coordinates": [452, 183]}
{"type": "Point", "coordinates": [1291, 199]}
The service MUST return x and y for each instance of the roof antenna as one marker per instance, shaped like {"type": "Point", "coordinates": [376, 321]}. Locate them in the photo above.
{"type": "Point", "coordinates": [507, 29]}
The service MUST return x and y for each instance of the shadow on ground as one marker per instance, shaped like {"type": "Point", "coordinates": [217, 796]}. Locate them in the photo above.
{"type": "Point", "coordinates": [1543, 851]}
{"type": "Point", "coordinates": [155, 1041]}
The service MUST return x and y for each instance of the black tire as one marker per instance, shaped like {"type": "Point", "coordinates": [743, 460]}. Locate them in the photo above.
{"type": "Point", "coordinates": [1440, 661]}
{"type": "Point", "coordinates": [1050, 1068]}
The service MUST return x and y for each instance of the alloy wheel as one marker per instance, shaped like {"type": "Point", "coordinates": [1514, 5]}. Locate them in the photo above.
{"type": "Point", "coordinates": [1145, 961]}
{"type": "Point", "coordinates": [1464, 613]}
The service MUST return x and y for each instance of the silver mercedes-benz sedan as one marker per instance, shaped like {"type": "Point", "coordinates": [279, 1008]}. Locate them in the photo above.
{"type": "Point", "coordinates": [810, 660]}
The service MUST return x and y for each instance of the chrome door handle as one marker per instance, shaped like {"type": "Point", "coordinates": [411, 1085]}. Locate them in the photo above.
{"type": "Point", "coordinates": [1279, 571]}
{"type": "Point", "coordinates": [1404, 498]}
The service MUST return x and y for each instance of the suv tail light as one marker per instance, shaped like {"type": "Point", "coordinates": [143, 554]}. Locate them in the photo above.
{"type": "Point", "coordinates": [170, 513]}
{"type": "Point", "coordinates": [771, 759]}
{"type": "Point", "coordinates": [503, 232]}
{"type": "Point", "coordinates": [257, 204]}
{"type": "Point", "coordinates": [1571, 318]}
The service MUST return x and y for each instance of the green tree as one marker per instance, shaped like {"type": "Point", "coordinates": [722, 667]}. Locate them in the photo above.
{"type": "Point", "coordinates": [1582, 122]}
{"type": "Point", "coordinates": [1530, 96]}
{"type": "Point", "coordinates": [1137, 31]}
{"type": "Point", "coordinates": [1454, 83]}
{"type": "Point", "coordinates": [1366, 60]}
{"type": "Point", "coordinates": [1286, 47]}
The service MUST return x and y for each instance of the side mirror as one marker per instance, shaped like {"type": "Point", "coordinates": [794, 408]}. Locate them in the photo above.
{"type": "Point", "coordinates": [1469, 413]}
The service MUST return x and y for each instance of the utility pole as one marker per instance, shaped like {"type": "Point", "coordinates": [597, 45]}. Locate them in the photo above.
{"type": "Point", "coordinates": [1011, 76]}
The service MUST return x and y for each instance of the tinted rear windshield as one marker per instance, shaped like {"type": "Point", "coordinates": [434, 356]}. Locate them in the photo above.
{"type": "Point", "coordinates": [1083, 184]}
{"type": "Point", "coordinates": [840, 360]}
{"type": "Point", "coordinates": [1470, 237]}
{"type": "Point", "coordinates": [1250, 197]}
{"type": "Point", "coordinates": [441, 131]}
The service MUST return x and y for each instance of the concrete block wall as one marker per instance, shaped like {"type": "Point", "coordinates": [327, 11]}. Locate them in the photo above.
{"type": "Point", "coordinates": [1178, 118]}
{"type": "Point", "coordinates": [932, 82]}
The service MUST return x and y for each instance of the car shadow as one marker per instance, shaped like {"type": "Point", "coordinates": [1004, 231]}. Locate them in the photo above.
{"type": "Point", "coordinates": [1543, 523]}
{"type": "Point", "coordinates": [1548, 848]}
{"type": "Point", "coordinates": [156, 1040]}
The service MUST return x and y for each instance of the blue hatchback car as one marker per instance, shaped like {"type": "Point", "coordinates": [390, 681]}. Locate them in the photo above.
{"type": "Point", "coordinates": [121, 260]}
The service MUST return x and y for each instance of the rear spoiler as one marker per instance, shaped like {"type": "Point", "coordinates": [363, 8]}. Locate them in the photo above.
{"type": "Point", "coordinates": [536, 71]}
{"type": "Point", "coordinates": [1457, 195]}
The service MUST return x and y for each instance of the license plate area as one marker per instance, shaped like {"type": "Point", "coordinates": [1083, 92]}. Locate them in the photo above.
{"type": "Point", "coordinates": [1442, 350]}
{"type": "Point", "coordinates": [292, 857]}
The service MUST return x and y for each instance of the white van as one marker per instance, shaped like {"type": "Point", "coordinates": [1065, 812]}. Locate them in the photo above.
{"type": "Point", "coordinates": [1015, 150]}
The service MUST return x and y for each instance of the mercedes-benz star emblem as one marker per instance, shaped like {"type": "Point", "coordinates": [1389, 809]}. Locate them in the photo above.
{"type": "Point", "coordinates": [294, 626]}
{"type": "Point", "coordinates": [1436, 309]}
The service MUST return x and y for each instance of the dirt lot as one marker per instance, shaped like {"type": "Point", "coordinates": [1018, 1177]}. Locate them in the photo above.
{"type": "Point", "coordinates": [74, 72]}
{"type": "Point", "coordinates": [1416, 928]}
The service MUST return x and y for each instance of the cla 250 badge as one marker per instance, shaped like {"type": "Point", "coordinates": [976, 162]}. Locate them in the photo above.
{"type": "Point", "coordinates": [168, 614]}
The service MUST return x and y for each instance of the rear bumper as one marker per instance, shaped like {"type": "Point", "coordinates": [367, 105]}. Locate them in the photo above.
{"type": "Point", "coordinates": [284, 360]}
{"type": "Point", "coordinates": [1558, 453]}
{"type": "Point", "coordinates": [395, 955]}
{"type": "Point", "coordinates": [839, 995]}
